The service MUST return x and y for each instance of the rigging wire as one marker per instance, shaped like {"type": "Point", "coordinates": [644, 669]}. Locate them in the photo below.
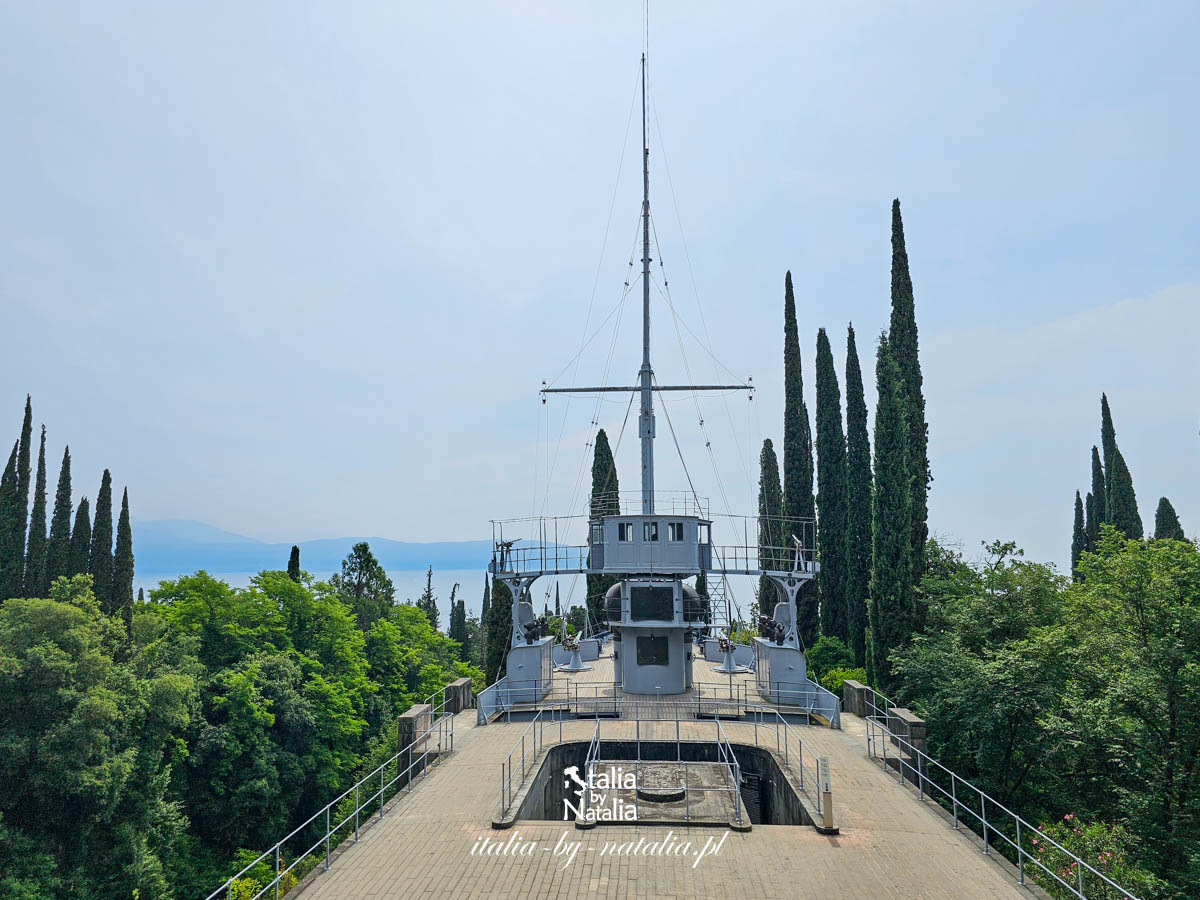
{"type": "Point", "coordinates": [707, 342]}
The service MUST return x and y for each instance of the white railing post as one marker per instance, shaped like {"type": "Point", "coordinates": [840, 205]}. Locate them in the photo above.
{"type": "Point", "coordinates": [276, 872]}
{"type": "Point", "coordinates": [983, 815]}
{"type": "Point", "coordinates": [1020, 853]}
{"type": "Point", "coordinates": [357, 807]}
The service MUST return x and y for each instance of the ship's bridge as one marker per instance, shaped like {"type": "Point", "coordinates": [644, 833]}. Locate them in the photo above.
{"type": "Point", "coordinates": [680, 538]}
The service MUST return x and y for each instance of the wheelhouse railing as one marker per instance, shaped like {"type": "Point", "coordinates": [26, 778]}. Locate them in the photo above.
{"type": "Point", "coordinates": [666, 503]}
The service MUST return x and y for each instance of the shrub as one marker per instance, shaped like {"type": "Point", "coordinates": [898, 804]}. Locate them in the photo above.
{"type": "Point", "coordinates": [832, 680]}
{"type": "Point", "coordinates": [829, 653]}
{"type": "Point", "coordinates": [1106, 848]}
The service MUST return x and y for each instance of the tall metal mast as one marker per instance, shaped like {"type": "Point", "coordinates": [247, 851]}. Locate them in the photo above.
{"type": "Point", "coordinates": [646, 419]}
{"type": "Point", "coordinates": [645, 385]}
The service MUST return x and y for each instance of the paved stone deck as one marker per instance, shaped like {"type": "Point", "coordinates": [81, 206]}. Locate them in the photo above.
{"type": "Point", "coordinates": [891, 845]}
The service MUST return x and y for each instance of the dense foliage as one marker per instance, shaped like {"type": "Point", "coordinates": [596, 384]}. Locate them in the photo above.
{"type": "Point", "coordinates": [145, 757]}
{"type": "Point", "coordinates": [1080, 699]}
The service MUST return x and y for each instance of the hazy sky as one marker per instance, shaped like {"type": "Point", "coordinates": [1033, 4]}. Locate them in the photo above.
{"type": "Point", "coordinates": [298, 270]}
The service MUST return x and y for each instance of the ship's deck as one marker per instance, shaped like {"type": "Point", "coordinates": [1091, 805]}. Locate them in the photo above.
{"type": "Point", "coordinates": [891, 843]}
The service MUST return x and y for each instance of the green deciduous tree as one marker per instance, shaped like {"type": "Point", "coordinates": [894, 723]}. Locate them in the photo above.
{"type": "Point", "coordinates": [799, 502]}
{"type": "Point", "coordinates": [89, 742]}
{"type": "Point", "coordinates": [100, 552]}
{"type": "Point", "coordinates": [35, 582]}
{"type": "Point", "coordinates": [831, 496]}
{"type": "Point", "coordinates": [902, 344]}
{"type": "Point", "coordinates": [81, 539]}
{"type": "Point", "coordinates": [1166, 522]}
{"type": "Point", "coordinates": [891, 610]}
{"type": "Point", "coordinates": [988, 673]}
{"type": "Point", "coordinates": [58, 550]}
{"type": "Point", "coordinates": [858, 504]}
{"type": "Point", "coordinates": [121, 601]}
{"type": "Point", "coordinates": [364, 586]}
{"type": "Point", "coordinates": [1135, 620]}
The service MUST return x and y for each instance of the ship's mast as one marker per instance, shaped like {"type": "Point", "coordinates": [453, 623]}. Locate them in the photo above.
{"type": "Point", "coordinates": [646, 374]}
{"type": "Point", "coordinates": [645, 386]}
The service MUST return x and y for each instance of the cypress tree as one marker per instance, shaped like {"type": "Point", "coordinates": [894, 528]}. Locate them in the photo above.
{"type": "Point", "coordinates": [557, 602]}
{"type": "Point", "coordinates": [1098, 495]}
{"type": "Point", "coordinates": [457, 628]}
{"type": "Point", "coordinates": [100, 555]}
{"type": "Point", "coordinates": [81, 540]}
{"type": "Point", "coordinates": [1078, 537]}
{"type": "Point", "coordinates": [890, 611]}
{"type": "Point", "coordinates": [293, 568]}
{"type": "Point", "coordinates": [1166, 522]}
{"type": "Point", "coordinates": [481, 650]}
{"type": "Point", "coordinates": [141, 596]}
{"type": "Point", "coordinates": [36, 584]}
{"type": "Point", "coordinates": [58, 550]}
{"type": "Point", "coordinates": [1090, 522]}
{"type": "Point", "coordinates": [122, 580]}
{"type": "Point", "coordinates": [605, 501]}
{"type": "Point", "coordinates": [797, 434]}
{"type": "Point", "coordinates": [858, 504]}
{"type": "Point", "coordinates": [23, 478]}
{"type": "Point", "coordinates": [427, 602]}
{"type": "Point", "coordinates": [12, 520]}
{"type": "Point", "coordinates": [902, 344]}
{"type": "Point", "coordinates": [1120, 501]}
{"type": "Point", "coordinates": [499, 630]}
{"type": "Point", "coordinates": [831, 496]}
{"type": "Point", "coordinates": [1108, 440]}
{"type": "Point", "coordinates": [770, 527]}
{"type": "Point", "coordinates": [465, 651]}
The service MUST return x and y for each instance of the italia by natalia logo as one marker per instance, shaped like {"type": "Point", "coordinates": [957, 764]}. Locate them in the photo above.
{"type": "Point", "coordinates": [594, 800]}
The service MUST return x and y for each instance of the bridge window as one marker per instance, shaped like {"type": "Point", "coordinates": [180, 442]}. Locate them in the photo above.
{"type": "Point", "coordinates": [649, 531]}
{"type": "Point", "coordinates": [704, 532]}
{"type": "Point", "coordinates": [674, 531]}
{"type": "Point", "coordinates": [597, 533]}
{"type": "Point", "coordinates": [652, 651]}
{"type": "Point", "coordinates": [624, 531]}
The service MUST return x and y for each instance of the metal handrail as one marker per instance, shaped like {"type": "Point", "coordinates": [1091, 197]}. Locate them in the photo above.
{"type": "Point", "coordinates": [530, 744]}
{"type": "Point", "coordinates": [878, 734]}
{"type": "Point", "coordinates": [441, 722]}
{"type": "Point", "coordinates": [805, 696]}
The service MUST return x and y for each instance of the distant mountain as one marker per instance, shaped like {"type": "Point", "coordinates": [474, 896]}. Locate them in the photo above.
{"type": "Point", "coordinates": [181, 545]}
